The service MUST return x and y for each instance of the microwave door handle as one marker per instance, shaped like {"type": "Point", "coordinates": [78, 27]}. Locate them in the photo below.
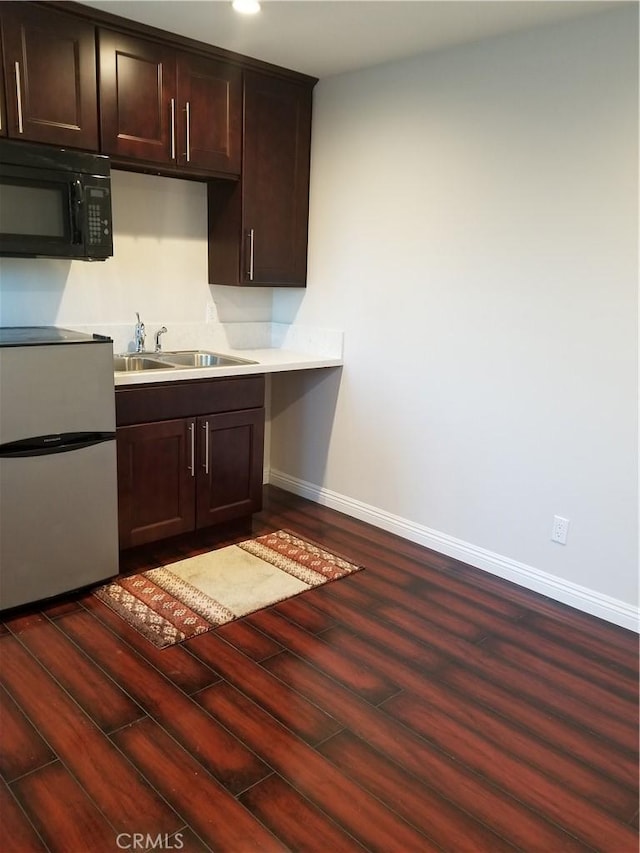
{"type": "Point", "coordinates": [77, 205]}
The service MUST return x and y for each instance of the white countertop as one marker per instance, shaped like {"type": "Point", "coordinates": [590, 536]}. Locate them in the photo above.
{"type": "Point", "coordinates": [268, 360]}
{"type": "Point", "coordinates": [274, 347]}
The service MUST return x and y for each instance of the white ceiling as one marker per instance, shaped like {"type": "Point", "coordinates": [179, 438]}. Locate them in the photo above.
{"type": "Point", "coordinates": [325, 37]}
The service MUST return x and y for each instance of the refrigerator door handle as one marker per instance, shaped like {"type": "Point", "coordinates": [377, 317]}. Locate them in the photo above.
{"type": "Point", "coordinates": [44, 445]}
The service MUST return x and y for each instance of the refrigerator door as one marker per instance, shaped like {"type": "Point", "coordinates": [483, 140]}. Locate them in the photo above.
{"type": "Point", "coordinates": [56, 388]}
{"type": "Point", "coordinates": [59, 522]}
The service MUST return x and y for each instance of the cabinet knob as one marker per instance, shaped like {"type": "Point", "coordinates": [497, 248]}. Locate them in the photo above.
{"type": "Point", "coordinates": [187, 110]}
{"type": "Point", "coordinates": [192, 434]}
{"type": "Point", "coordinates": [172, 104]}
{"type": "Point", "coordinates": [205, 427]}
{"type": "Point", "coordinates": [251, 254]}
{"type": "Point", "coordinates": [19, 97]}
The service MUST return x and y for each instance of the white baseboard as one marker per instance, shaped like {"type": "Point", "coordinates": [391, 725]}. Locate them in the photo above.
{"type": "Point", "coordinates": [580, 597]}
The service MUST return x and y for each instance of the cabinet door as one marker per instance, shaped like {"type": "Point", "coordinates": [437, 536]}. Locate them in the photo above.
{"type": "Point", "coordinates": [231, 449]}
{"type": "Point", "coordinates": [156, 481]}
{"type": "Point", "coordinates": [210, 114]}
{"type": "Point", "coordinates": [275, 181]}
{"type": "Point", "coordinates": [50, 75]}
{"type": "Point", "coordinates": [137, 98]}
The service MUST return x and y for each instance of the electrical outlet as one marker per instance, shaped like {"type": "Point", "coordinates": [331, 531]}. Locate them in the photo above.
{"type": "Point", "coordinates": [560, 529]}
{"type": "Point", "coordinates": [211, 315]}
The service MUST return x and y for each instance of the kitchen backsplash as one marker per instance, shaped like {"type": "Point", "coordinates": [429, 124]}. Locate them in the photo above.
{"type": "Point", "coordinates": [225, 336]}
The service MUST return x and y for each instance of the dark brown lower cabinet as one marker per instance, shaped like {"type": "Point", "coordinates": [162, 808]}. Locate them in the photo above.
{"type": "Point", "coordinates": [228, 484]}
{"type": "Point", "coordinates": [187, 473]}
{"type": "Point", "coordinates": [156, 494]}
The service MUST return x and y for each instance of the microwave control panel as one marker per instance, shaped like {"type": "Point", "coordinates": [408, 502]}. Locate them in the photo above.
{"type": "Point", "coordinates": [98, 216]}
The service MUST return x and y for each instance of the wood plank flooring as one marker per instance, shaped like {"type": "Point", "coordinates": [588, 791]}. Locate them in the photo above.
{"type": "Point", "coordinates": [418, 705]}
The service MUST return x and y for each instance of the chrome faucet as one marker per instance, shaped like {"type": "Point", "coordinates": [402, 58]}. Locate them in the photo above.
{"type": "Point", "coordinates": [158, 333]}
{"type": "Point", "coordinates": [139, 334]}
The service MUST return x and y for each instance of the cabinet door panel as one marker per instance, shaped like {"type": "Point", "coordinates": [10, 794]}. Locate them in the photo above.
{"type": "Point", "coordinates": [275, 178]}
{"type": "Point", "coordinates": [156, 488]}
{"type": "Point", "coordinates": [137, 85]}
{"type": "Point", "coordinates": [230, 476]}
{"type": "Point", "coordinates": [51, 77]}
{"type": "Point", "coordinates": [209, 122]}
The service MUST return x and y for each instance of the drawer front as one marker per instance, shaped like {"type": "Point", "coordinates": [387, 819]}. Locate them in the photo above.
{"type": "Point", "coordinates": [144, 403]}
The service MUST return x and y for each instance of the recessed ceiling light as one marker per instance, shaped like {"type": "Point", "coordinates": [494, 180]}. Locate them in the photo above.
{"type": "Point", "coordinates": [246, 7]}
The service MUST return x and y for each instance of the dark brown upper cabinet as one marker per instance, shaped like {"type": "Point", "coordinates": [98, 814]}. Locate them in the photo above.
{"type": "Point", "coordinates": [210, 124]}
{"type": "Point", "coordinates": [50, 77]}
{"type": "Point", "coordinates": [167, 107]}
{"type": "Point", "coordinates": [258, 229]}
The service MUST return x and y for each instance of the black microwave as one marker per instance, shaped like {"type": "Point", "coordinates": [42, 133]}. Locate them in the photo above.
{"type": "Point", "coordinates": [54, 203]}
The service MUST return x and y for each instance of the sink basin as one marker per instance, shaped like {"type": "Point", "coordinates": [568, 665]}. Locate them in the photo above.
{"type": "Point", "coordinates": [129, 363]}
{"type": "Point", "coordinates": [173, 360]}
{"type": "Point", "coordinates": [199, 358]}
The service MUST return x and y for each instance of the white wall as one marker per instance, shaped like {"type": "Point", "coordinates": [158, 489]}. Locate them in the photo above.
{"type": "Point", "coordinates": [473, 230]}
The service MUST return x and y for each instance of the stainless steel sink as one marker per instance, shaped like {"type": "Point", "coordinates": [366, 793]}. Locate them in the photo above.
{"type": "Point", "coordinates": [200, 358]}
{"type": "Point", "coordinates": [174, 360]}
{"type": "Point", "coordinates": [129, 363]}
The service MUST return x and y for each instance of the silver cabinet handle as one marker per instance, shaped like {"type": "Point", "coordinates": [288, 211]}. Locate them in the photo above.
{"type": "Point", "coordinates": [251, 254]}
{"type": "Point", "coordinates": [19, 98]}
{"type": "Point", "coordinates": [187, 109]}
{"type": "Point", "coordinates": [192, 434]}
{"type": "Point", "coordinates": [173, 128]}
{"type": "Point", "coordinates": [205, 427]}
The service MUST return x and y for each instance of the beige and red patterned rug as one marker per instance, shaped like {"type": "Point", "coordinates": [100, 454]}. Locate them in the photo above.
{"type": "Point", "coordinates": [172, 603]}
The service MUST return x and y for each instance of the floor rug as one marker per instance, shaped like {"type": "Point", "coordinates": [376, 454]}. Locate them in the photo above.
{"type": "Point", "coordinates": [172, 603]}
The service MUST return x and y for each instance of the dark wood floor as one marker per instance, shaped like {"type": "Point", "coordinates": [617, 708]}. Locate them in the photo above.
{"type": "Point", "coordinates": [418, 705]}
